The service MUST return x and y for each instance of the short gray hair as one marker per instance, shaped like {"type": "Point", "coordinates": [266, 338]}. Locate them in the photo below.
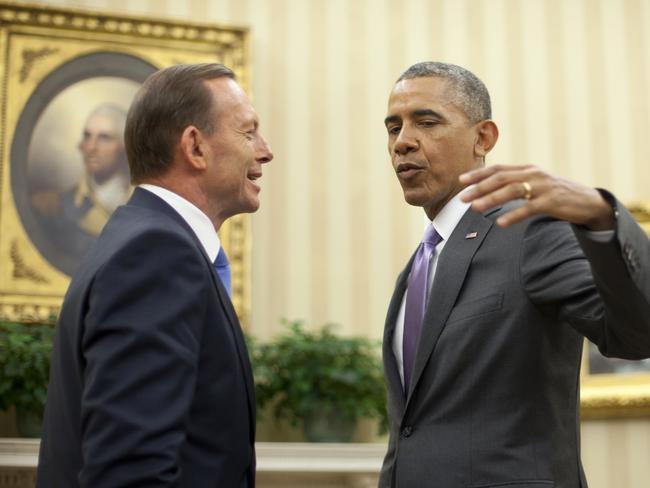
{"type": "Point", "coordinates": [469, 93]}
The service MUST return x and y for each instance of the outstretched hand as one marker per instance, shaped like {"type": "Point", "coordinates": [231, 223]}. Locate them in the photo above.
{"type": "Point", "coordinates": [546, 194]}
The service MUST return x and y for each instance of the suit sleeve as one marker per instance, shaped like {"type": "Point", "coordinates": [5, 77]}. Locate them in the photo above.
{"type": "Point", "coordinates": [602, 289]}
{"type": "Point", "coordinates": [141, 346]}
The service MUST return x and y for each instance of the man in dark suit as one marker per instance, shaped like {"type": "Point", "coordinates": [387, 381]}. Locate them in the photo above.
{"type": "Point", "coordinates": [484, 333]}
{"type": "Point", "coordinates": [150, 381]}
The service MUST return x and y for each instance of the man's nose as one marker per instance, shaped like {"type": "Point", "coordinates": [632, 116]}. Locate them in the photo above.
{"type": "Point", "coordinates": [265, 155]}
{"type": "Point", "coordinates": [405, 142]}
{"type": "Point", "coordinates": [89, 144]}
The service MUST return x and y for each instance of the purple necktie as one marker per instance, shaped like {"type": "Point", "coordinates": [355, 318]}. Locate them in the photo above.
{"type": "Point", "coordinates": [416, 300]}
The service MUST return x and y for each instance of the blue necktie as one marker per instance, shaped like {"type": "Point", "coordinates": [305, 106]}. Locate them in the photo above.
{"type": "Point", "coordinates": [416, 301]}
{"type": "Point", "coordinates": [222, 267]}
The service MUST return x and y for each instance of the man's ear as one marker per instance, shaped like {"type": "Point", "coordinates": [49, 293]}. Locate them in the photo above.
{"type": "Point", "coordinates": [487, 134]}
{"type": "Point", "coordinates": [193, 146]}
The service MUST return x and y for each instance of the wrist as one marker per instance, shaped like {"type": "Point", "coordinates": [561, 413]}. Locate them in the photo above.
{"type": "Point", "coordinates": [604, 215]}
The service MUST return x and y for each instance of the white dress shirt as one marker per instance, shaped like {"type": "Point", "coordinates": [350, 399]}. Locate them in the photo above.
{"type": "Point", "coordinates": [195, 218]}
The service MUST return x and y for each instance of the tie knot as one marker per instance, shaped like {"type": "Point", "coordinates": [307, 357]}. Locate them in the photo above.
{"type": "Point", "coordinates": [221, 259]}
{"type": "Point", "coordinates": [222, 268]}
{"type": "Point", "coordinates": [431, 236]}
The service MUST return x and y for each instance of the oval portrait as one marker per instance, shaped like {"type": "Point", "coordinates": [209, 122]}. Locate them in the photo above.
{"type": "Point", "coordinates": [69, 166]}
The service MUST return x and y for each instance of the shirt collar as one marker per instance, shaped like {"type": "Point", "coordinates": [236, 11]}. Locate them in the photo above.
{"type": "Point", "coordinates": [447, 219]}
{"type": "Point", "coordinates": [195, 218]}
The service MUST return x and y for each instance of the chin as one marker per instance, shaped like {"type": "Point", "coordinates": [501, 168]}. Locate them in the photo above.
{"type": "Point", "coordinates": [251, 206]}
{"type": "Point", "coordinates": [417, 199]}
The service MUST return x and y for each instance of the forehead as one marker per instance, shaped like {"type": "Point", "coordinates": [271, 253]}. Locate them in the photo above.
{"type": "Point", "coordinates": [100, 123]}
{"type": "Point", "coordinates": [420, 93]}
{"type": "Point", "coordinates": [230, 100]}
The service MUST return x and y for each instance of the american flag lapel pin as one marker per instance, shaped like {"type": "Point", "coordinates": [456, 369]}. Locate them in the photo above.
{"type": "Point", "coordinates": [471, 235]}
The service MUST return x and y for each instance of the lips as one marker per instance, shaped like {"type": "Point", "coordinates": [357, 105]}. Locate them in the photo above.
{"type": "Point", "coordinates": [408, 169]}
{"type": "Point", "coordinates": [253, 176]}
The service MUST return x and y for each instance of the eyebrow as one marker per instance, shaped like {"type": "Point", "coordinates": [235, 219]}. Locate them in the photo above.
{"type": "Point", "coordinates": [421, 112]}
{"type": "Point", "coordinates": [390, 119]}
{"type": "Point", "coordinates": [99, 133]}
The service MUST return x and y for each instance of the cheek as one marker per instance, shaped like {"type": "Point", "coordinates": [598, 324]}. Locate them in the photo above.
{"type": "Point", "coordinates": [448, 152]}
{"type": "Point", "coordinates": [108, 150]}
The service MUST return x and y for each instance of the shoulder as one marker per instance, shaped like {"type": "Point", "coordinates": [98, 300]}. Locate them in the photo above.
{"type": "Point", "coordinates": [131, 225]}
{"type": "Point", "coordinates": [535, 239]}
{"type": "Point", "coordinates": [155, 267]}
{"type": "Point", "coordinates": [140, 241]}
{"type": "Point", "coordinates": [531, 225]}
{"type": "Point", "coordinates": [150, 241]}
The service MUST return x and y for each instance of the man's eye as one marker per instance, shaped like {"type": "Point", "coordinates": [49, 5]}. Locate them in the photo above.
{"type": "Point", "coordinates": [394, 129]}
{"type": "Point", "coordinates": [427, 123]}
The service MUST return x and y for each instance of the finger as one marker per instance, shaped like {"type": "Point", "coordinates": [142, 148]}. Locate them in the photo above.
{"type": "Point", "coordinates": [498, 196]}
{"type": "Point", "coordinates": [499, 180]}
{"type": "Point", "coordinates": [479, 174]}
{"type": "Point", "coordinates": [516, 215]}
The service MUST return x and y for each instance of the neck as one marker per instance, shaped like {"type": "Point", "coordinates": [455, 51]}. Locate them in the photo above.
{"type": "Point", "coordinates": [190, 191]}
{"type": "Point", "coordinates": [435, 208]}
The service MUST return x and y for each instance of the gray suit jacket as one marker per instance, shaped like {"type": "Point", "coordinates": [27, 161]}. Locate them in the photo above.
{"type": "Point", "coordinates": [494, 399]}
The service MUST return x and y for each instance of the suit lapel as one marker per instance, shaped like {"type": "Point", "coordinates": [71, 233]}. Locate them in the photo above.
{"type": "Point", "coordinates": [393, 381]}
{"type": "Point", "coordinates": [453, 263]}
{"type": "Point", "coordinates": [240, 342]}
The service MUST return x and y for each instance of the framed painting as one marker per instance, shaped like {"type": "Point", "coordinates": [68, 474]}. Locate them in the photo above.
{"type": "Point", "coordinates": [615, 387]}
{"type": "Point", "coordinates": [69, 77]}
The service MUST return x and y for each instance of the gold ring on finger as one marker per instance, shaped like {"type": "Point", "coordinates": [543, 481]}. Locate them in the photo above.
{"type": "Point", "coordinates": [528, 190]}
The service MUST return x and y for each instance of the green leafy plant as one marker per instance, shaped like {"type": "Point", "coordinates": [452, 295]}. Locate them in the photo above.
{"type": "Point", "coordinates": [301, 374]}
{"type": "Point", "coordinates": [24, 365]}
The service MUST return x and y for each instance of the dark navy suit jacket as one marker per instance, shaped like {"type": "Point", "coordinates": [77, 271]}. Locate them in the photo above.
{"type": "Point", "coordinates": [150, 382]}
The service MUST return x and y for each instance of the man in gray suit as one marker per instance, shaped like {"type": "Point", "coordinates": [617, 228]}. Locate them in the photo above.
{"type": "Point", "coordinates": [484, 333]}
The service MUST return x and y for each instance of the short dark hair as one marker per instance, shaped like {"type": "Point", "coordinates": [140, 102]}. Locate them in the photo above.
{"type": "Point", "coordinates": [168, 101]}
{"type": "Point", "coordinates": [470, 94]}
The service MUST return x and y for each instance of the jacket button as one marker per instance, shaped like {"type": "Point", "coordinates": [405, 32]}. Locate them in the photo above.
{"type": "Point", "coordinates": [407, 431]}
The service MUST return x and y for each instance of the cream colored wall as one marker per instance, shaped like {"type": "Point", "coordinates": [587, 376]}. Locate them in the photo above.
{"type": "Point", "coordinates": [569, 83]}
{"type": "Point", "coordinates": [616, 453]}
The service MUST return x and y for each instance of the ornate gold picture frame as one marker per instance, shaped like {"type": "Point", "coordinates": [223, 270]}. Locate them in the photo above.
{"type": "Point", "coordinates": [64, 73]}
{"type": "Point", "coordinates": [612, 387]}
